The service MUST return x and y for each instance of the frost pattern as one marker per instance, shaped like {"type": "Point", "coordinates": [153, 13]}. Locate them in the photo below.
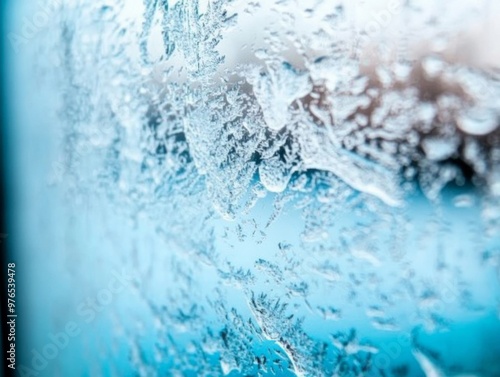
{"type": "Point", "coordinates": [278, 161]}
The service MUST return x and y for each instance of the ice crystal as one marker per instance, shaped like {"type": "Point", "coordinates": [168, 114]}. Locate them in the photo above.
{"type": "Point", "coordinates": [295, 169]}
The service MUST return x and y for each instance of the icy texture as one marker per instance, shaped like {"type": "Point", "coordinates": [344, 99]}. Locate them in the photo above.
{"type": "Point", "coordinates": [318, 183]}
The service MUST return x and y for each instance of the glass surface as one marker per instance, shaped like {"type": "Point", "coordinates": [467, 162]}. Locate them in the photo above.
{"type": "Point", "coordinates": [254, 188]}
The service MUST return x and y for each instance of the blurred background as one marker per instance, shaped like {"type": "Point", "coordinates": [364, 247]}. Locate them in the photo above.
{"type": "Point", "coordinates": [251, 188]}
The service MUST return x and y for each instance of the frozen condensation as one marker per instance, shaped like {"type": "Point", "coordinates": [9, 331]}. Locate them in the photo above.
{"type": "Point", "coordinates": [324, 175]}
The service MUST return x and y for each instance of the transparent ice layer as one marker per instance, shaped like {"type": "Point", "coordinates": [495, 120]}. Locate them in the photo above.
{"type": "Point", "coordinates": [259, 188]}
